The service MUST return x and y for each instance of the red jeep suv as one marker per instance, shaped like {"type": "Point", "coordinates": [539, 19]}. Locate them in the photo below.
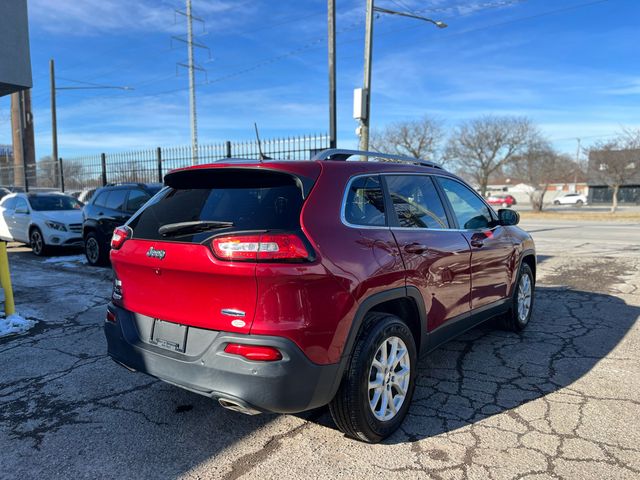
{"type": "Point", "coordinates": [282, 286]}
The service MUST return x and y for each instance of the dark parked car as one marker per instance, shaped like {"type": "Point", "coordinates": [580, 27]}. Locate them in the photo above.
{"type": "Point", "coordinates": [110, 207]}
{"type": "Point", "coordinates": [282, 286]}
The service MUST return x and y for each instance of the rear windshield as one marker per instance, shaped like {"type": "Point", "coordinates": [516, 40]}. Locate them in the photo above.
{"type": "Point", "coordinates": [248, 201]}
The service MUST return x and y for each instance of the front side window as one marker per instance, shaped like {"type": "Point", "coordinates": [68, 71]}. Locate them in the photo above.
{"type": "Point", "coordinates": [416, 201]}
{"type": "Point", "coordinates": [365, 202]}
{"type": "Point", "coordinates": [470, 212]}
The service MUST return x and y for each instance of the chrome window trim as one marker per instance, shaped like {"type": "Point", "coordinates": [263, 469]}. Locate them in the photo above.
{"type": "Point", "coordinates": [343, 204]}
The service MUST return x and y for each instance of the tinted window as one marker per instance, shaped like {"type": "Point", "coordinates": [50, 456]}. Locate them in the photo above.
{"type": "Point", "coordinates": [365, 202]}
{"type": "Point", "coordinates": [251, 201]}
{"type": "Point", "coordinates": [21, 205]}
{"type": "Point", "coordinates": [416, 201]}
{"type": "Point", "coordinates": [136, 199]}
{"type": "Point", "coordinates": [9, 203]}
{"type": "Point", "coordinates": [115, 200]}
{"type": "Point", "coordinates": [469, 210]}
{"type": "Point", "coordinates": [101, 200]}
{"type": "Point", "coordinates": [54, 202]}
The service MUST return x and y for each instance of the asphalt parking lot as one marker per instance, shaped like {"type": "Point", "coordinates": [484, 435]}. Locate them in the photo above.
{"type": "Point", "coordinates": [562, 400]}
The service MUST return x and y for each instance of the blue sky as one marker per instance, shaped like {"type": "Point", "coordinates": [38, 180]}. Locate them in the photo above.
{"type": "Point", "coordinates": [570, 65]}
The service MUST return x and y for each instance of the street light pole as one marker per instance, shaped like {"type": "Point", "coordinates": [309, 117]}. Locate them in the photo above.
{"type": "Point", "coordinates": [368, 52]}
{"type": "Point", "coordinates": [54, 114]}
{"type": "Point", "coordinates": [365, 113]}
{"type": "Point", "coordinates": [331, 22]}
{"type": "Point", "coordinates": [54, 121]}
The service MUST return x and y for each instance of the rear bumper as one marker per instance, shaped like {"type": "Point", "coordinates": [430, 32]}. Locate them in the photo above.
{"type": "Point", "coordinates": [293, 384]}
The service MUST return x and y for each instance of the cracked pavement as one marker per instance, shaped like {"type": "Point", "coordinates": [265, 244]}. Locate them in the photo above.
{"type": "Point", "coordinates": [561, 400]}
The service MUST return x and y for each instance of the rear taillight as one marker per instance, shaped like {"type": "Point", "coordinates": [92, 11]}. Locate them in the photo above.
{"type": "Point", "coordinates": [119, 236]}
{"type": "Point", "coordinates": [273, 246]}
{"type": "Point", "coordinates": [257, 353]}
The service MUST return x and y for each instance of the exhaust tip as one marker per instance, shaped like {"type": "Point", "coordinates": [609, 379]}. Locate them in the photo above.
{"type": "Point", "coordinates": [236, 406]}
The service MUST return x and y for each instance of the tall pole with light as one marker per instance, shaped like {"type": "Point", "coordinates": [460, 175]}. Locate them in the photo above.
{"type": "Point", "coordinates": [54, 115]}
{"type": "Point", "coordinates": [362, 96]}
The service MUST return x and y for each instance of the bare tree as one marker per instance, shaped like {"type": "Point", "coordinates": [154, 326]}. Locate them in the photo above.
{"type": "Point", "coordinates": [415, 138]}
{"type": "Point", "coordinates": [616, 162]}
{"type": "Point", "coordinates": [484, 145]}
{"type": "Point", "coordinates": [540, 166]}
{"type": "Point", "coordinates": [47, 173]}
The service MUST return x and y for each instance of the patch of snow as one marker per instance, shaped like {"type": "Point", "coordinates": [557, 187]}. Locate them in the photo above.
{"type": "Point", "coordinates": [14, 324]}
{"type": "Point", "coordinates": [68, 261]}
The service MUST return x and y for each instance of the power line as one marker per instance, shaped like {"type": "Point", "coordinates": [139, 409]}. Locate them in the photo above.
{"type": "Point", "coordinates": [315, 44]}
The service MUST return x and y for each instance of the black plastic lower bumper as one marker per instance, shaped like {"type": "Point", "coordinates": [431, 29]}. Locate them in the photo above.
{"type": "Point", "coordinates": [293, 384]}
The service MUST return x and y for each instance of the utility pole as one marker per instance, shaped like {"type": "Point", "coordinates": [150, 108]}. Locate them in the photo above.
{"type": "Point", "coordinates": [368, 50]}
{"type": "Point", "coordinates": [331, 22]}
{"type": "Point", "coordinates": [192, 67]}
{"type": "Point", "coordinates": [575, 174]}
{"type": "Point", "coordinates": [54, 121]}
{"type": "Point", "coordinates": [192, 87]}
{"type": "Point", "coordinates": [23, 138]}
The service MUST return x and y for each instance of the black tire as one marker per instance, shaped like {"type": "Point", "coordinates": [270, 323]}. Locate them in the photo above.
{"type": "Point", "coordinates": [37, 243]}
{"type": "Point", "coordinates": [579, 203]}
{"type": "Point", "coordinates": [556, 202]}
{"type": "Point", "coordinates": [514, 320]}
{"type": "Point", "coordinates": [350, 408]}
{"type": "Point", "coordinates": [97, 255]}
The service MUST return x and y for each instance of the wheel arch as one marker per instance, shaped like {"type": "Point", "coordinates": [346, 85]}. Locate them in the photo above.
{"type": "Point", "coordinates": [403, 302]}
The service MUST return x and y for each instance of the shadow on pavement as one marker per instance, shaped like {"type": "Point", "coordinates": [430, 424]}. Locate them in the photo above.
{"type": "Point", "coordinates": [488, 371]}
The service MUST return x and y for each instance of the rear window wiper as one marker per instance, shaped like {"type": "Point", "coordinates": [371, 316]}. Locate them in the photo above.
{"type": "Point", "coordinates": [184, 228]}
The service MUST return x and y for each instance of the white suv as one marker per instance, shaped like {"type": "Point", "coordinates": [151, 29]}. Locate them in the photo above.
{"type": "Point", "coordinates": [42, 220]}
{"type": "Point", "coordinates": [577, 199]}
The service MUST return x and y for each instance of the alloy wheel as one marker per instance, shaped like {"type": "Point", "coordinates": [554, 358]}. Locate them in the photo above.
{"type": "Point", "coordinates": [524, 298]}
{"type": "Point", "coordinates": [93, 250]}
{"type": "Point", "coordinates": [389, 376]}
{"type": "Point", "coordinates": [37, 243]}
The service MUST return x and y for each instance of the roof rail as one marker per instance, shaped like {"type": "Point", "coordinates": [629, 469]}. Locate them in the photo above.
{"type": "Point", "coordinates": [343, 155]}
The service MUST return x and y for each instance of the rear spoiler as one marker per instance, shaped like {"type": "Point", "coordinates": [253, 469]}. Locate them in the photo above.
{"type": "Point", "coordinates": [227, 177]}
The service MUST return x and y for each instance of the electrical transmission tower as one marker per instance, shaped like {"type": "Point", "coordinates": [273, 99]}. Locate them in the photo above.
{"type": "Point", "coordinates": [191, 66]}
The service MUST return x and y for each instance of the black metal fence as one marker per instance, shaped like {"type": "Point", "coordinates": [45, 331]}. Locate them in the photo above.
{"type": "Point", "coordinates": [148, 165]}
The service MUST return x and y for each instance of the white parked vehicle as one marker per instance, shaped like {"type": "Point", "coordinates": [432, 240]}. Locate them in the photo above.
{"type": "Point", "coordinates": [577, 199]}
{"type": "Point", "coordinates": [42, 220]}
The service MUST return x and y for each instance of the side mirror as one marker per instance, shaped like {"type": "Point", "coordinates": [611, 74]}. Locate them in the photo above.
{"type": "Point", "coordinates": [508, 217]}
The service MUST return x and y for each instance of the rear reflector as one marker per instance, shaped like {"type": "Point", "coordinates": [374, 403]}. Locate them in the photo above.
{"type": "Point", "coordinates": [281, 246]}
{"type": "Point", "coordinates": [258, 353]}
{"type": "Point", "coordinates": [111, 317]}
{"type": "Point", "coordinates": [120, 234]}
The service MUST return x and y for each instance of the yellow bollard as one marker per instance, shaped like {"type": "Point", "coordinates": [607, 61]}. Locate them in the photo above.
{"type": "Point", "coordinates": [5, 280]}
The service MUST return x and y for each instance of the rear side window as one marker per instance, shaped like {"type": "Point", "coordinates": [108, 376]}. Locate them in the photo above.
{"type": "Point", "coordinates": [249, 201]}
{"type": "Point", "coordinates": [416, 201]}
{"type": "Point", "coordinates": [469, 210]}
{"type": "Point", "coordinates": [115, 200]}
{"type": "Point", "coordinates": [365, 202]}
{"type": "Point", "coordinates": [101, 200]}
{"type": "Point", "coordinates": [10, 203]}
{"type": "Point", "coordinates": [136, 199]}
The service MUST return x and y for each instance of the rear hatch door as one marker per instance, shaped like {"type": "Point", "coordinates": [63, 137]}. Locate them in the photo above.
{"type": "Point", "coordinates": [174, 275]}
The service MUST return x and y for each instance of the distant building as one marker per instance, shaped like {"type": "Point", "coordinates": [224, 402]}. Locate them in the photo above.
{"type": "Point", "coordinates": [604, 166]}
